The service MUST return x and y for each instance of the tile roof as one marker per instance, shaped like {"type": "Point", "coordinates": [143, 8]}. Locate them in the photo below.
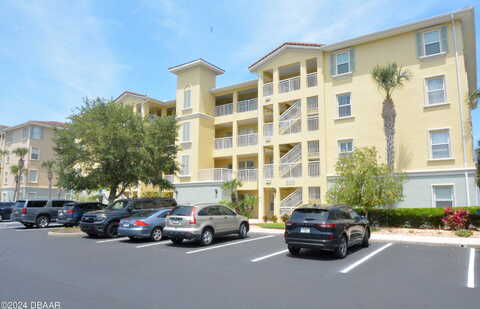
{"type": "Point", "coordinates": [283, 45]}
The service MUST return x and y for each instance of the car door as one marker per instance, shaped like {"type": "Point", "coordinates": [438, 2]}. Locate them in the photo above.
{"type": "Point", "coordinates": [55, 207]}
{"type": "Point", "coordinates": [359, 226]}
{"type": "Point", "coordinates": [206, 216]}
{"type": "Point", "coordinates": [347, 221]}
{"type": "Point", "coordinates": [229, 219]}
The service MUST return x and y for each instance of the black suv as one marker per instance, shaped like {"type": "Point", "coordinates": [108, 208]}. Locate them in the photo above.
{"type": "Point", "coordinates": [333, 228]}
{"type": "Point", "coordinates": [105, 222]}
{"type": "Point", "coordinates": [71, 214]}
{"type": "Point", "coordinates": [6, 210]}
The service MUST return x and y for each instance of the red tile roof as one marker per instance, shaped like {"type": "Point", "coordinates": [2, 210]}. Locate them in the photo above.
{"type": "Point", "coordinates": [285, 44]}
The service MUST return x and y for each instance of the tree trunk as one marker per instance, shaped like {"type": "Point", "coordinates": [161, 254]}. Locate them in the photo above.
{"type": "Point", "coordinates": [389, 115]}
{"type": "Point", "coordinates": [112, 194]}
{"type": "Point", "coordinates": [16, 189]}
{"type": "Point", "coordinates": [50, 176]}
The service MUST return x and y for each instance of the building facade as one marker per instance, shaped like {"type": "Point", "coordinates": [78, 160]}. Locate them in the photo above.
{"type": "Point", "coordinates": [282, 133]}
{"type": "Point", "coordinates": [37, 137]}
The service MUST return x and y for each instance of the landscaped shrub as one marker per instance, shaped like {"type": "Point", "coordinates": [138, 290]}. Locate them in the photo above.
{"type": "Point", "coordinates": [455, 219]}
{"type": "Point", "coordinates": [463, 233]}
{"type": "Point", "coordinates": [274, 219]}
{"type": "Point", "coordinates": [285, 218]}
{"type": "Point", "coordinates": [265, 218]}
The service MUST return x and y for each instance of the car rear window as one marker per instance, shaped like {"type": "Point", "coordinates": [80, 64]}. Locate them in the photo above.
{"type": "Point", "coordinates": [36, 204]}
{"type": "Point", "coordinates": [310, 214]}
{"type": "Point", "coordinates": [20, 204]}
{"type": "Point", "coordinates": [182, 211]}
{"type": "Point", "coordinates": [145, 213]}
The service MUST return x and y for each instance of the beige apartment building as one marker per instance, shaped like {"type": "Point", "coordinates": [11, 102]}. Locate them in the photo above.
{"type": "Point", "coordinates": [37, 137]}
{"type": "Point", "coordinates": [282, 132]}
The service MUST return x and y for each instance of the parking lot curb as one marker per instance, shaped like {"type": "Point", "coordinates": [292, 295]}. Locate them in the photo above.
{"type": "Point", "coordinates": [431, 240]}
{"type": "Point", "coordinates": [51, 233]}
{"type": "Point", "coordinates": [255, 229]}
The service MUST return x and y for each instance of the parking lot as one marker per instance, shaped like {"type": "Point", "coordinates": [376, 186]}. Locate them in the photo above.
{"type": "Point", "coordinates": [256, 272]}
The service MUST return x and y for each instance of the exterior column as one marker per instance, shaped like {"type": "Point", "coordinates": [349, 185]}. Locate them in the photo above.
{"type": "Point", "coordinates": [234, 144]}
{"type": "Point", "coordinates": [276, 79]}
{"type": "Point", "coordinates": [261, 162]}
{"type": "Point", "coordinates": [235, 100]}
{"type": "Point", "coordinates": [276, 205]}
{"type": "Point", "coordinates": [303, 74]}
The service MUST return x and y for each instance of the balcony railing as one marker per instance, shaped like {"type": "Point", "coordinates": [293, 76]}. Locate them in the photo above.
{"type": "Point", "coordinates": [290, 126]}
{"type": "Point", "coordinates": [247, 139]}
{"type": "Point", "coordinates": [291, 170]}
{"type": "Point", "coordinates": [289, 84]}
{"type": "Point", "coordinates": [247, 175]}
{"type": "Point", "coordinates": [223, 142]}
{"type": "Point", "coordinates": [312, 79]}
{"type": "Point", "coordinates": [268, 129]}
{"type": "Point", "coordinates": [169, 178]}
{"type": "Point", "coordinates": [267, 89]}
{"type": "Point", "coordinates": [268, 171]}
{"type": "Point", "coordinates": [314, 168]}
{"type": "Point", "coordinates": [247, 105]}
{"type": "Point", "coordinates": [215, 174]}
{"type": "Point", "coordinates": [225, 109]}
{"type": "Point", "coordinates": [312, 123]}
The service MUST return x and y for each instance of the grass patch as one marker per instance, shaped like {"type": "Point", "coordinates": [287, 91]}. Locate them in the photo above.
{"type": "Point", "coordinates": [73, 229]}
{"type": "Point", "coordinates": [463, 233]}
{"type": "Point", "coordinates": [272, 225]}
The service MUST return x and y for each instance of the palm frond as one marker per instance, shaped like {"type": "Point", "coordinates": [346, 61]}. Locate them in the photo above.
{"type": "Point", "coordinates": [390, 77]}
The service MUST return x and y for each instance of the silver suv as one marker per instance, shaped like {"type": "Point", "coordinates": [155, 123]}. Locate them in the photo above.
{"type": "Point", "coordinates": [203, 222]}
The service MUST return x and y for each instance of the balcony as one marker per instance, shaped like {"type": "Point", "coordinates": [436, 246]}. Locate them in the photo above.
{"type": "Point", "coordinates": [268, 129]}
{"type": "Point", "coordinates": [225, 109]}
{"type": "Point", "coordinates": [289, 84]}
{"type": "Point", "coordinates": [291, 170]}
{"type": "Point", "coordinates": [215, 174]}
{"type": "Point", "coordinates": [314, 168]}
{"type": "Point", "coordinates": [247, 139]}
{"type": "Point", "coordinates": [247, 105]}
{"type": "Point", "coordinates": [247, 175]}
{"type": "Point", "coordinates": [290, 126]}
{"type": "Point", "coordinates": [267, 89]}
{"type": "Point", "coordinates": [268, 171]}
{"type": "Point", "coordinates": [312, 79]}
{"type": "Point", "coordinates": [223, 142]}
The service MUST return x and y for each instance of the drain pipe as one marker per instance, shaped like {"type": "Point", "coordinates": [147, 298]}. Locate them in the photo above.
{"type": "Point", "coordinates": [460, 104]}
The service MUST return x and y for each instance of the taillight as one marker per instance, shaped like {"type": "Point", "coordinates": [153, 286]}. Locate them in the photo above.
{"type": "Point", "coordinates": [289, 224]}
{"type": "Point", "coordinates": [24, 211]}
{"type": "Point", "coordinates": [326, 225]}
{"type": "Point", "coordinates": [194, 216]}
{"type": "Point", "coordinates": [69, 211]}
{"type": "Point", "coordinates": [140, 223]}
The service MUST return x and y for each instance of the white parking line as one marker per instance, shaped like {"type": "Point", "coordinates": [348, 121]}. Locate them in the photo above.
{"type": "Point", "coordinates": [229, 244]}
{"type": "Point", "coordinates": [365, 258]}
{"type": "Point", "coordinates": [110, 240]}
{"type": "Point", "coordinates": [37, 229]}
{"type": "Point", "coordinates": [153, 244]}
{"type": "Point", "coordinates": [471, 269]}
{"type": "Point", "coordinates": [268, 256]}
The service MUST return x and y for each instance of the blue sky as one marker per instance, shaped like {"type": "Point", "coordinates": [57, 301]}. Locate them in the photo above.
{"type": "Point", "coordinates": [54, 53]}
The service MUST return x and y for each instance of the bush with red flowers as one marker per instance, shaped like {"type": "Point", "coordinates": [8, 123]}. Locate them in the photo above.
{"type": "Point", "coordinates": [455, 219]}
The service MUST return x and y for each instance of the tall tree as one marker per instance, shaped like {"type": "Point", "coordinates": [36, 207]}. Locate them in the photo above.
{"type": "Point", "coordinates": [49, 166]}
{"type": "Point", "coordinates": [363, 181]}
{"type": "Point", "coordinates": [100, 148]}
{"type": "Point", "coordinates": [390, 77]}
{"type": "Point", "coordinates": [15, 170]}
{"type": "Point", "coordinates": [20, 153]}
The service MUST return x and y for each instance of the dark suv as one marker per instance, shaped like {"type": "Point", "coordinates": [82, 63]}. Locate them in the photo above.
{"type": "Point", "coordinates": [37, 212]}
{"type": "Point", "coordinates": [71, 214]}
{"type": "Point", "coordinates": [6, 210]}
{"type": "Point", "coordinates": [333, 228]}
{"type": "Point", "coordinates": [105, 222]}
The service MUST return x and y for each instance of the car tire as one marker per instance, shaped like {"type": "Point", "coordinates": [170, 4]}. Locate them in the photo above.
{"type": "Point", "coordinates": [243, 230]}
{"type": "Point", "coordinates": [294, 250]}
{"type": "Point", "coordinates": [131, 237]}
{"type": "Point", "coordinates": [366, 237]}
{"type": "Point", "coordinates": [92, 235]}
{"type": "Point", "coordinates": [207, 237]}
{"type": "Point", "coordinates": [342, 248]}
{"type": "Point", "coordinates": [42, 221]}
{"type": "Point", "coordinates": [156, 234]}
{"type": "Point", "coordinates": [111, 230]}
{"type": "Point", "coordinates": [28, 225]}
{"type": "Point", "coordinates": [177, 241]}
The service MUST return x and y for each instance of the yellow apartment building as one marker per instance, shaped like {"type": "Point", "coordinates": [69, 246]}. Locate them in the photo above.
{"type": "Point", "coordinates": [282, 133]}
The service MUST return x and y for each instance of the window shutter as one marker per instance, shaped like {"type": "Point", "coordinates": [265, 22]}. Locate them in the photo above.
{"type": "Point", "coordinates": [333, 65]}
{"type": "Point", "coordinates": [419, 45]}
{"type": "Point", "coordinates": [352, 60]}
{"type": "Point", "coordinates": [444, 39]}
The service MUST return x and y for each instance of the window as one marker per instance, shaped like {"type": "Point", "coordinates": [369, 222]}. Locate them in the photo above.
{"type": "Point", "coordinates": [36, 132]}
{"type": "Point", "coordinates": [187, 99]}
{"type": "Point", "coordinates": [186, 132]}
{"type": "Point", "coordinates": [184, 168]}
{"type": "Point", "coordinates": [440, 144]}
{"type": "Point", "coordinates": [35, 154]}
{"type": "Point", "coordinates": [33, 176]}
{"type": "Point", "coordinates": [436, 90]}
{"type": "Point", "coordinates": [344, 105]}
{"type": "Point", "coordinates": [243, 165]}
{"type": "Point", "coordinates": [5, 180]}
{"type": "Point", "coordinates": [443, 196]}
{"type": "Point", "coordinates": [314, 193]}
{"type": "Point", "coordinates": [312, 122]}
{"type": "Point", "coordinates": [224, 211]}
{"type": "Point", "coordinates": [313, 147]}
{"type": "Point", "coordinates": [431, 42]}
{"type": "Point", "coordinates": [345, 147]}
{"type": "Point", "coordinates": [343, 63]}
{"type": "Point", "coordinates": [312, 104]}
{"type": "Point", "coordinates": [25, 133]}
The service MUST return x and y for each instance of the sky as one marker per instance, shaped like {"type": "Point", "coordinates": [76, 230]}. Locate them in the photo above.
{"type": "Point", "coordinates": [54, 53]}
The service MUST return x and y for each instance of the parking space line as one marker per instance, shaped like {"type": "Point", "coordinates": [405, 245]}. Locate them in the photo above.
{"type": "Point", "coordinates": [153, 244]}
{"type": "Point", "coordinates": [471, 269]}
{"type": "Point", "coordinates": [20, 229]}
{"type": "Point", "coordinates": [365, 258]}
{"type": "Point", "coordinates": [229, 244]}
{"type": "Point", "coordinates": [268, 256]}
{"type": "Point", "coordinates": [110, 240]}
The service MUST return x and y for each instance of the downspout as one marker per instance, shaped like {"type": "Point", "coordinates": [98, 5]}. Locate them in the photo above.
{"type": "Point", "coordinates": [460, 104]}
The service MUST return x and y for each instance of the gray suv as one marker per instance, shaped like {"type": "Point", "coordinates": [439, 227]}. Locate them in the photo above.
{"type": "Point", "coordinates": [37, 212]}
{"type": "Point", "coordinates": [202, 222]}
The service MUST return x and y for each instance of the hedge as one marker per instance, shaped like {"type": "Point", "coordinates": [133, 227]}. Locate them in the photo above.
{"type": "Point", "coordinates": [414, 217]}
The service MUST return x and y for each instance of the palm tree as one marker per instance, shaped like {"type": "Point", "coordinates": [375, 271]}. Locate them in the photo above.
{"type": "Point", "coordinates": [49, 165]}
{"type": "Point", "coordinates": [232, 187]}
{"type": "Point", "coordinates": [473, 97]}
{"type": "Point", "coordinates": [15, 170]}
{"type": "Point", "coordinates": [388, 78]}
{"type": "Point", "coordinates": [20, 153]}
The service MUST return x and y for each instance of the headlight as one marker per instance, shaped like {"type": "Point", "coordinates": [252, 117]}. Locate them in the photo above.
{"type": "Point", "coordinates": [101, 218]}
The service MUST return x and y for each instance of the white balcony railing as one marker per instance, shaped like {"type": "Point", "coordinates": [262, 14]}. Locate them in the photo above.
{"type": "Point", "coordinates": [267, 89]}
{"type": "Point", "coordinates": [289, 84]}
{"type": "Point", "coordinates": [247, 105]}
{"type": "Point", "coordinates": [247, 139]}
{"type": "Point", "coordinates": [223, 142]}
{"type": "Point", "coordinates": [291, 170]}
{"type": "Point", "coordinates": [290, 126]}
{"type": "Point", "coordinates": [268, 171]}
{"type": "Point", "coordinates": [247, 175]}
{"type": "Point", "coordinates": [312, 79]}
{"type": "Point", "coordinates": [169, 178]}
{"type": "Point", "coordinates": [225, 109]}
{"type": "Point", "coordinates": [215, 174]}
{"type": "Point", "coordinates": [290, 202]}
{"type": "Point", "coordinates": [312, 123]}
{"type": "Point", "coordinates": [268, 129]}
{"type": "Point", "coordinates": [314, 168]}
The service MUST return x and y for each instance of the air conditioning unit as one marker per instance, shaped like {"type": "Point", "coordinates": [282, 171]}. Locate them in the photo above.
{"type": "Point", "coordinates": [268, 139]}
{"type": "Point", "coordinates": [268, 181]}
{"type": "Point", "coordinates": [267, 100]}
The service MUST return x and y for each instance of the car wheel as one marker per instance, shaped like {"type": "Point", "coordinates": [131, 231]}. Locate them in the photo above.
{"type": "Point", "coordinates": [42, 221]}
{"type": "Point", "coordinates": [294, 250]}
{"type": "Point", "coordinates": [366, 237]}
{"type": "Point", "coordinates": [157, 234]}
{"type": "Point", "coordinates": [207, 237]}
{"type": "Point", "coordinates": [131, 237]}
{"type": "Point", "coordinates": [243, 230]}
{"type": "Point", "coordinates": [342, 248]}
{"type": "Point", "coordinates": [28, 225]}
{"type": "Point", "coordinates": [177, 241]}
{"type": "Point", "coordinates": [91, 235]}
{"type": "Point", "coordinates": [111, 230]}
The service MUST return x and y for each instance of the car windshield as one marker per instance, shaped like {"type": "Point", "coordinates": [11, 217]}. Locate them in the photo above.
{"type": "Point", "coordinates": [182, 211]}
{"type": "Point", "coordinates": [310, 214]}
{"type": "Point", "coordinates": [117, 205]}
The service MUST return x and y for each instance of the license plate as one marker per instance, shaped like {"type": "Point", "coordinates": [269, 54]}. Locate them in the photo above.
{"type": "Point", "coordinates": [126, 224]}
{"type": "Point", "coordinates": [304, 230]}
